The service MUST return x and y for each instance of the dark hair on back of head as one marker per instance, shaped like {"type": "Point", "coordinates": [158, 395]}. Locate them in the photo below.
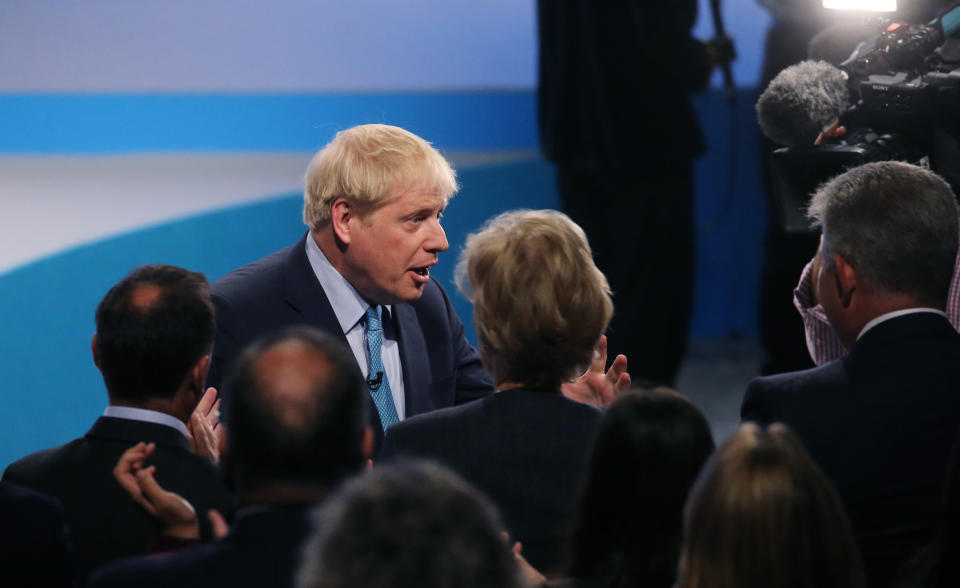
{"type": "Point", "coordinates": [152, 328]}
{"type": "Point", "coordinates": [310, 431]}
{"type": "Point", "coordinates": [649, 448]}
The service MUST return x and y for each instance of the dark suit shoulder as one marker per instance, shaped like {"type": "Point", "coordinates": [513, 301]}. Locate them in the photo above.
{"type": "Point", "coordinates": [262, 549]}
{"type": "Point", "coordinates": [25, 512]}
{"type": "Point", "coordinates": [438, 418]}
{"type": "Point", "coordinates": [502, 404]}
{"type": "Point", "coordinates": [172, 569]}
{"type": "Point", "coordinates": [34, 546]}
{"type": "Point", "coordinates": [527, 450]}
{"type": "Point", "coordinates": [254, 281]}
{"type": "Point", "coordinates": [276, 291]}
{"type": "Point", "coordinates": [31, 469]}
{"type": "Point", "coordinates": [501, 414]}
{"type": "Point", "coordinates": [105, 524]}
{"type": "Point", "coordinates": [768, 398]}
{"type": "Point", "coordinates": [88, 462]}
{"type": "Point", "coordinates": [879, 422]}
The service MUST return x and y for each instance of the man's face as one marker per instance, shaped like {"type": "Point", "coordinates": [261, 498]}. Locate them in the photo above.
{"type": "Point", "coordinates": [391, 250]}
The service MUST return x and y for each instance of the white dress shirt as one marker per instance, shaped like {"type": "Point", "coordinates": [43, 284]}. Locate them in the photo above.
{"type": "Point", "coordinates": [149, 416]}
{"type": "Point", "coordinates": [350, 309]}
{"type": "Point", "coordinates": [891, 315]}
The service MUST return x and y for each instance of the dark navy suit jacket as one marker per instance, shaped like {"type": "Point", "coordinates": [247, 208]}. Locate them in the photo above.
{"type": "Point", "coordinates": [262, 549]}
{"type": "Point", "coordinates": [527, 450]}
{"type": "Point", "coordinates": [440, 368]}
{"type": "Point", "coordinates": [880, 422]}
{"type": "Point", "coordinates": [105, 523]}
{"type": "Point", "coordinates": [34, 546]}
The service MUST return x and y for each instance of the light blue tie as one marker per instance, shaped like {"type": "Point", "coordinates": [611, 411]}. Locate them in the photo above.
{"type": "Point", "coordinates": [376, 377]}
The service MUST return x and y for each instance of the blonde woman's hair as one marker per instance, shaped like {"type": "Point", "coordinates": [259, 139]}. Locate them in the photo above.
{"type": "Point", "coordinates": [763, 515]}
{"type": "Point", "coordinates": [369, 166]}
{"type": "Point", "coordinates": [540, 303]}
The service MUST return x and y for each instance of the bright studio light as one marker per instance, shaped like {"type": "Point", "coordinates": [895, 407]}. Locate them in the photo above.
{"type": "Point", "coordinates": [871, 5]}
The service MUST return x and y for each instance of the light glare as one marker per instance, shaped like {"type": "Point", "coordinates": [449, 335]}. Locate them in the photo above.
{"type": "Point", "coordinates": [871, 5]}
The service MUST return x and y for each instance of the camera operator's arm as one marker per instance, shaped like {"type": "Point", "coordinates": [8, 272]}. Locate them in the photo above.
{"type": "Point", "coordinates": [822, 341]}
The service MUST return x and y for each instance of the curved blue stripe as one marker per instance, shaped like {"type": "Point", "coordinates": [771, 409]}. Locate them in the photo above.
{"type": "Point", "coordinates": [112, 123]}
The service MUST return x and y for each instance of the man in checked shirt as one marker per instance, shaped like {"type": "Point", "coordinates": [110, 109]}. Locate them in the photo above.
{"type": "Point", "coordinates": [822, 341]}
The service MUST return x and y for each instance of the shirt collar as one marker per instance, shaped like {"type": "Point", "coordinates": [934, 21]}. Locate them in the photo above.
{"type": "Point", "coordinates": [347, 303]}
{"type": "Point", "coordinates": [895, 314]}
{"type": "Point", "coordinates": [149, 416]}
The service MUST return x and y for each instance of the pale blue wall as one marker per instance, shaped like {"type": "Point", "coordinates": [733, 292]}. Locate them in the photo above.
{"type": "Point", "coordinates": [291, 45]}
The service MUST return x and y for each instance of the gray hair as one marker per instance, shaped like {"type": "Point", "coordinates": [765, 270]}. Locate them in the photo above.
{"type": "Point", "coordinates": [409, 524]}
{"type": "Point", "coordinates": [895, 223]}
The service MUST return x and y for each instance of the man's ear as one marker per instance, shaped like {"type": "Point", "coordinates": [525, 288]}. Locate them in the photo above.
{"type": "Point", "coordinates": [341, 215]}
{"type": "Point", "coordinates": [198, 375]}
{"type": "Point", "coordinates": [96, 353]}
{"type": "Point", "coordinates": [847, 279]}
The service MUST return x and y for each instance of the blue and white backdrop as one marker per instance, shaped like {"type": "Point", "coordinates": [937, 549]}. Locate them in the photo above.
{"type": "Point", "coordinates": [178, 132]}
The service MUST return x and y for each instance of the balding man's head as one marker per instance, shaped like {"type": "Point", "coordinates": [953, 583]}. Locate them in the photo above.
{"type": "Point", "coordinates": [296, 412]}
{"type": "Point", "coordinates": [153, 328]}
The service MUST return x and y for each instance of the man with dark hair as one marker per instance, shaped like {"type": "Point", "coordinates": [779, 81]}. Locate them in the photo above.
{"type": "Point", "coordinates": [412, 524]}
{"type": "Point", "coordinates": [296, 425]}
{"type": "Point", "coordinates": [152, 345]}
{"type": "Point", "coordinates": [152, 328]}
{"type": "Point", "coordinates": [880, 421]}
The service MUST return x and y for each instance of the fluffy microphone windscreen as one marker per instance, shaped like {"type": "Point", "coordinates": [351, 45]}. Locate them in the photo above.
{"type": "Point", "coordinates": [801, 101]}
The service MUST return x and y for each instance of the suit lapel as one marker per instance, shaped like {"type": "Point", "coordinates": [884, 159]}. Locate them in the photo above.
{"type": "Point", "coordinates": [415, 358]}
{"type": "Point", "coordinates": [304, 293]}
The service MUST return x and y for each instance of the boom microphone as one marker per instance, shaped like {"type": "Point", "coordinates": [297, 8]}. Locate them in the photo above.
{"type": "Point", "coordinates": [801, 102]}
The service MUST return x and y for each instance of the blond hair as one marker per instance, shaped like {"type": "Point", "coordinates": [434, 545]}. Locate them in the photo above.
{"type": "Point", "coordinates": [369, 166]}
{"type": "Point", "coordinates": [763, 515]}
{"type": "Point", "coordinates": [540, 303]}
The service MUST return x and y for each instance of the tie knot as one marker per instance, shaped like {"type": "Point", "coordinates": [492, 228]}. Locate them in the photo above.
{"type": "Point", "coordinates": [373, 318]}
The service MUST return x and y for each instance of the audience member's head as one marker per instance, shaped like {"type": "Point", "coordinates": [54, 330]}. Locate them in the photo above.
{"type": "Point", "coordinates": [411, 524]}
{"type": "Point", "coordinates": [763, 515]}
{"type": "Point", "coordinates": [539, 303]}
{"type": "Point", "coordinates": [889, 242]}
{"type": "Point", "coordinates": [154, 336]}
{"type": "Point", "coordinates": [296, 413]}
{"type": "Point", "coordinates": [649, 449]}
{"type": "Point", "coordinates": [369, 166]}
